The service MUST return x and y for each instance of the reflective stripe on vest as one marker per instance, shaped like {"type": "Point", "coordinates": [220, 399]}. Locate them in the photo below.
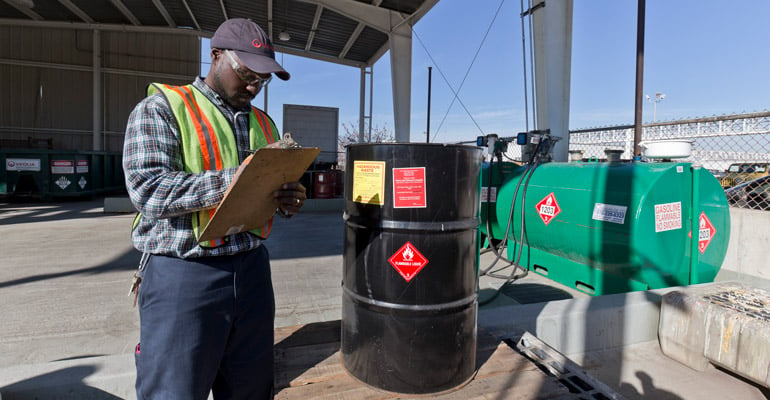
{"type": "Point", "coordinates": [208, 141]}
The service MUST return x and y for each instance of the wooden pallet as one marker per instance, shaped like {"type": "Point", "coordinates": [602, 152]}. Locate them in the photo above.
{"type": "Point", "coordinates": [308, 365]}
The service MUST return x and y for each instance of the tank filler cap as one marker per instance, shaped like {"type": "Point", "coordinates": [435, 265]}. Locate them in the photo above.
{"type": "Point", "coordinates": [666, 149]}
{"type": "Point", "coordinates": [613, 155]}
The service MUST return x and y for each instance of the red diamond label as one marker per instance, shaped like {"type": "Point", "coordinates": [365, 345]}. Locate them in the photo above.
{"type": "Point", "coordinates": [548, 208]}
{"type": "Point", "coordinates": [706, 232]}
{"type": "Point", "coordinates": [408, 261]}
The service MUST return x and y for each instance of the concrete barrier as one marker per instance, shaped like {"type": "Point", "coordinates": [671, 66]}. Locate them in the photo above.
{"type": "Point", "coordinates": [726, 324]}
{"type": "Point", "coordinates": [582, 325]}
{"type": "Point", "coordinates": [749, 238]}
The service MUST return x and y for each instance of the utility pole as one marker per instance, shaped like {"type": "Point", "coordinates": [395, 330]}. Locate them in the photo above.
{"type": "Point", "coordinates": [427, 132]}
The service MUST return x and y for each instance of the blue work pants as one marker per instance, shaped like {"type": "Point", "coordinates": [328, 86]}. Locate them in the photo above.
{"type": "Point", "coordinates": [206, 324]}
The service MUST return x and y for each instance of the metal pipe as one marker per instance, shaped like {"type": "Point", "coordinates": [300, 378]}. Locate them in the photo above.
{"type": "Point", "coordinates": [264, 100]}
{"type": "Point", "coordinates": [639, 77]}
{"type": "Point", "coordinates": [524, 66]}
{"type": "Point", "coordinates": [86, 68]}
{"type": "Point", "coordinates": [102, 27]}
{"type": "Point", "coordinates": [362, 105]}
{"type": "Point", "coordinates": [695, 224]}
{"type": "Point", "coordinates": [371, 99]}
{"type": "Point", "coordinates": [96, 107]}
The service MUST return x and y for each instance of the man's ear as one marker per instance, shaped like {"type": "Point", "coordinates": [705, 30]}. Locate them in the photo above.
{"type": "Point", "coordinates": [215, 53]}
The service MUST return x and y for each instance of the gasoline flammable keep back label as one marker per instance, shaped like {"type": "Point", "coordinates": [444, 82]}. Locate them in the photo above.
{"type": "Point", "coordinates": [369, 182]}
{"type": "Point", "coordinates": [668, 216]}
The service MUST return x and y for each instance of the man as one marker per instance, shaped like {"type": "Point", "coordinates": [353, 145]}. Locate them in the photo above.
{"type": "Point", "coordinates": [206, 309]}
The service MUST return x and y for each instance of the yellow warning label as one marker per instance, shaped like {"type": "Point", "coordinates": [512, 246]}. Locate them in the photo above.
{"type": "Point", "coordinates": [369, 182]}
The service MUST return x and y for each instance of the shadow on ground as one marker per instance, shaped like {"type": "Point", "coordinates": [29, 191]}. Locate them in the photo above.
{"type": "Point", "coordinates": [14, 210]}
{"type": "Point", "coordinates": [57, 385]}
{"type": "Point", "coordinates": [528, 293]}
{"type": "Point", "coordinates": [124, 262]}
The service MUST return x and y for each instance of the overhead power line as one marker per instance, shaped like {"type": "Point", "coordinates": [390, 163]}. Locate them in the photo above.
{"type": "Point", "coordinates": [467, 72]}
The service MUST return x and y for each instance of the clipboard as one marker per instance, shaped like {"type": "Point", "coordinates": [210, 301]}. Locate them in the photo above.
{"type": "Point", "coordinates": [248, 203]}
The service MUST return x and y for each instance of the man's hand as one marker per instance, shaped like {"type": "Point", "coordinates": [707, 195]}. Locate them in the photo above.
{"type": "Point", "coordinates": [291, 196]}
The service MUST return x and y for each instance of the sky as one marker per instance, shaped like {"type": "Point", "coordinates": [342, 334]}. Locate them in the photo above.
{"type": "Point", "coordinates": [708, 57]}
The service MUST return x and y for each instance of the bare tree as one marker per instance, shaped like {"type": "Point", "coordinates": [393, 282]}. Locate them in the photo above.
{"type": "Point", "coordinates": [379, 135]}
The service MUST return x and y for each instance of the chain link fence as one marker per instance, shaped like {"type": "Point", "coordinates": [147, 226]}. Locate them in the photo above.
{"type": "Point", "coordinates": [735, 148]}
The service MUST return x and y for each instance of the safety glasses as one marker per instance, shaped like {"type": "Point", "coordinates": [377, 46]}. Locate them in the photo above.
{"type": "Point", "coordinates": [249, 77]}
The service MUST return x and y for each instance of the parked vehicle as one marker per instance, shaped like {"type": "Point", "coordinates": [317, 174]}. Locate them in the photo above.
{"type": "Point", "coordinates": [753, 194]}
{"type": "Point", "coordinates": [743, 172]}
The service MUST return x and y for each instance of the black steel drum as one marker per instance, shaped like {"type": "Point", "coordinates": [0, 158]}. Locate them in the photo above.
{"type": "Point", "coordinates": [409, 300]}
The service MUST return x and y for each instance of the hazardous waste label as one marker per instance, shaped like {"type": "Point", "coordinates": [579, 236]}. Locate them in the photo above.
{"type": "Point", "coordinates": [548, 208]}
{"type": "Point", "coordinates": [408, 261]}
{"type": "Point", "coordinates": [62, 167]}
{"type": "Point", "coordinates": [369, 182]}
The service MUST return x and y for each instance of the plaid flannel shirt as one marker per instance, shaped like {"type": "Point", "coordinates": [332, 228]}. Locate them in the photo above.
{"type": "Point", "coordinates": [163, 192]}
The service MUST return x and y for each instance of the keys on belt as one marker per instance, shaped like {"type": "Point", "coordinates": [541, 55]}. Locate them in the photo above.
{"type": "Point", "coordinates": [136, 281]}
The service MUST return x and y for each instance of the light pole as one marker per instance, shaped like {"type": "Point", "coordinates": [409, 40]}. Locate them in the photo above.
{"type": "Point", "coordinates": [658, 97]}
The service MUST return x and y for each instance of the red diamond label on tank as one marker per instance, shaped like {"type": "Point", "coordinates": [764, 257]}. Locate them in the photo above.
{"type": "Point", "coordinates": [548, 208]}
{"type": "Point", "coordinates": [706, 232]}
{"type": "Point", "coordinates": [408, 261]}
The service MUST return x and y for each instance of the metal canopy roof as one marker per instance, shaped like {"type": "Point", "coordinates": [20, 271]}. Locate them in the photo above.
{"type": "Point", "coordinates": [337, 31]}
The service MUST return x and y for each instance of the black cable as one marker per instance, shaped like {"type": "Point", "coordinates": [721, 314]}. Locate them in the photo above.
{"type": "Point", "coordinates": [467, 72]}
{"type": "Point", "coordinates": [512, 277]}
{"type": "Point", "coordinates": [527, 173]}
{"type": "Point", "coordinates": [448, 84]}
{"type": "Point", "coordinates": [504, 240]}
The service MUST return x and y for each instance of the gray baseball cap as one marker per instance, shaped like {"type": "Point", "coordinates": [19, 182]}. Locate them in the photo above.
{"type": "Point", "coordinates": [251, 44]}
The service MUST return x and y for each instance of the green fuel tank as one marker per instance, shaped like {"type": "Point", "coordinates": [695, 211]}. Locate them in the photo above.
{"type": "Point", "coordinates": [609, 227]}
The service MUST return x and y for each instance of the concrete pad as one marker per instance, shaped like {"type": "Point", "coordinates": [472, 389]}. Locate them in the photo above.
{"type": "Point", "coordinates": [67, 321]}
{"type": "Point", "coordinates": [641, 371]}
{"type": "Point", "coordinates": [306, 262]}
{"type": "Point", "coordinates": [64, 276]}
{"type": "Point", "coordinates": [68, 326]}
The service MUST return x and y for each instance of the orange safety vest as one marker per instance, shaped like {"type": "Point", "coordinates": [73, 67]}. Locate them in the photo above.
{"type": "Point", "coordinates": [208, 141]}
